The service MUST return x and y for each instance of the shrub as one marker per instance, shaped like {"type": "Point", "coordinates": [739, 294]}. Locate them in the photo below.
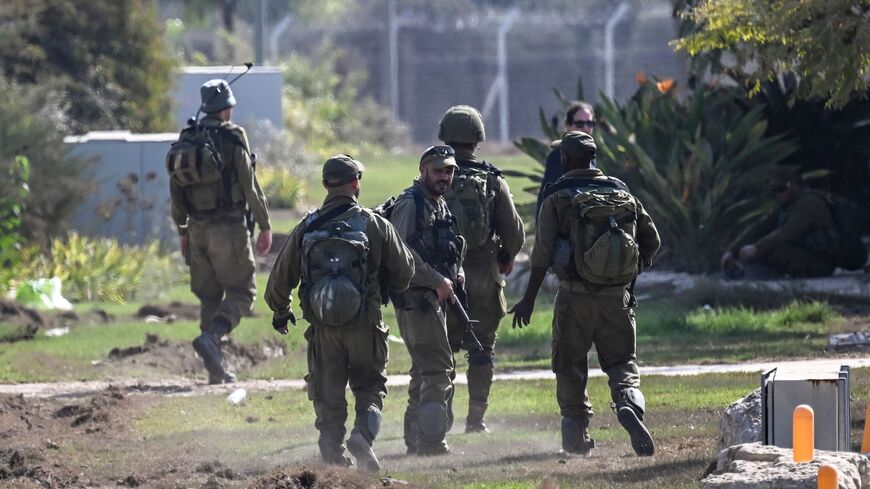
{"type": "Point", "coordinates": [280, 186]}
{"type": "Point", "coordinates": [796, 317]}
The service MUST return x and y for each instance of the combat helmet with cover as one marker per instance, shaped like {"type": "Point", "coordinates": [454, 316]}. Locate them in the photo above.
{"type": "Point", "coordinates": [334, 255]}
{"type": "Point", "coordinates": [462, 124]}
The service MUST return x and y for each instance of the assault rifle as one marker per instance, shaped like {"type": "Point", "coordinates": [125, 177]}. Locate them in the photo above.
{"type": "Point", "coordinates": [460, 307]}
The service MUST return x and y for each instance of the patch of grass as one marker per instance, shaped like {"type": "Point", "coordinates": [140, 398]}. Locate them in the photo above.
{"type": "Point", "coordinates": [796, 317]}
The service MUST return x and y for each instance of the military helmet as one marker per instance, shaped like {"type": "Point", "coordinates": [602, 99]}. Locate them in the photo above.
{"type": "Point", "coordinates": [334, 300]}
{"type": "Point", "coordinates": [462, 124]}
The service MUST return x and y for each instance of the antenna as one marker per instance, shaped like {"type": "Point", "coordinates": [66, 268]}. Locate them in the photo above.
{"type": "Point", "coordinates": [248, 65]}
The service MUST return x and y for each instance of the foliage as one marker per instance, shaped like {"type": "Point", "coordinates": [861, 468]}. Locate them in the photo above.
{"type": "Point", "coordinates": [826, 43]}
{"type": "Point", "coordinates": [97, 269]}
{"type": "Point", "coordinates": [106, 56]}
{"type": "Point", "coordinates": [30, 126]}
{"type": "Point", "coordinates": [813, 317]}
{"type": "Point", "coordinates": [13, 193]}
{"type": "Point", "coordinates": [323, 109]}
{"type": "Point", "coordinates": [697, 165]}
{"type": "Point", "coordinates": [281, 187]}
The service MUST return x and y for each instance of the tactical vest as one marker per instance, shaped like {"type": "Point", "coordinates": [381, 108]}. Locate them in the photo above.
{"type": "Point", "coordinates": [601, 247]}
{"type": "Point", "coordinates": [470, 200]}
{"type": "Point", "coordinates": [333, 291]}
{"type": "Point", "coordinates": [196, 165]}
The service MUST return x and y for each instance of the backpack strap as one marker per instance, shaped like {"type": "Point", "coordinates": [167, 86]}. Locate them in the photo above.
{"type": "Point", "coordinates": [419, 208]}
{"type": "Point", "coordinates": [482, 165]}
{"type": "Point", "coordinates": [566, 183]}
{"type": "Point", "coordinates": [314, 220]}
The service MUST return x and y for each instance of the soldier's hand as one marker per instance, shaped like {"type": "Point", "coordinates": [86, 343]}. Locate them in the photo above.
{"type": "Point", "coordinates": [445, 291]}
{"type": "Point", "coordinates": [279, 321]}
{"type": "Point", "coordinates": [184, 244]}
{"type": "Point", "coordinates": [522, 312]}
{"type": "Point", "coordinates": [748, 252]}
{"type": "Point", "coordinates": [264, 242]}
{"type": "Point", "coordinates": [507, 267]}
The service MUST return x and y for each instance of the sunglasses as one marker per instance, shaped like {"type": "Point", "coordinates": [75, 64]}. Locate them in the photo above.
{"type": "Point", "coordinates": [442, 151]}
{"type": "Point", "coordinates": [583, 124]}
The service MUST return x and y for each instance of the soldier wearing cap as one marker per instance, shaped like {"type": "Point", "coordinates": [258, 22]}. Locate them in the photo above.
{"type": "Point", "coordinates": [423, 220]}
{"type": "Point", "coordinates": [587, 313]}
{"type": "Point", "coordinates": [354, 353]}
{"type": "Point", "coordinates": [798, 239]}
{"type": "Point", "coordinates": [210, 216]}
{"type": "Point", "coordinates": [488, 220]}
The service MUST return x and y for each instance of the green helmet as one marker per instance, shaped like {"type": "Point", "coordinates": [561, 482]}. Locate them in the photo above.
{"type": "Point", "coordinates": [334, 300]}
{"type": "Point", "coordinates": [462, 124]}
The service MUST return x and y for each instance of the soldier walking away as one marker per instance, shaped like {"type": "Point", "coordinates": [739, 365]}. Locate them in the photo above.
{"type": "Point", "coordinates": [212, 181]}
{"type": "Point", "coordinates": [340, 256]}
{"type": "Point", "coordinates": [481, 201]}
{"type": "Point", "coordinates": [424, 222]}
{"type": "Point", "coordinates": [596, 237]}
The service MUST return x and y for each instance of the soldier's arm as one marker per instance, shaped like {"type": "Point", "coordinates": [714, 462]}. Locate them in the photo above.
{"type": "Point", "coordinates": [754, 232]}
{"type": "Point", "coordinates": [248, 181]}
{"type": "Point", "coordinates": [806, 212]}
{"type": "Point", "coordinates": [285, 273]}
{"type": "Point", "coordinates": [404, 219]}
{"type": "Point", "coordinates": [179, 213]}
{"type": "Point", "coordinates": [508, 224]}
{"type": "Point", "coordinates": [396, 258]}
{"type": "Point", "coordinates": [546, 234]}
{"type": "Point", "coordinates": [648, 238]}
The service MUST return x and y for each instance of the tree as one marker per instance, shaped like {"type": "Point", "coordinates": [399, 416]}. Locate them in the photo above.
{"type": "Point", "coordinates": [826, 43]}
{"type": "Point", "coordinates": [106, 57]}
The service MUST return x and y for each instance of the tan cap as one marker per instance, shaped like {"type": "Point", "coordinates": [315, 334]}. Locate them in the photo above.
{"type": "Point", "coordinates": [439, 156]}
{"type": "Point", "coordinates": [577, 143]}
{"type": "Point", "coordinates": [341, 169]}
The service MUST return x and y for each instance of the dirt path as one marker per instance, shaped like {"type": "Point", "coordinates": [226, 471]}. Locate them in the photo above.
{"type": "Point", "coordinates": [181, 386]}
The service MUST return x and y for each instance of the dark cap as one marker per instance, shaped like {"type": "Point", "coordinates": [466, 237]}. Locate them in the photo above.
{"type": "Point", "coordinates": [216, 95]}
{"type": "Point", "coordinates": [341, 169]}
{"type": "Point", "coordinates": [577, 143]}
{"type": "Point", "coordinates": [440, 156]}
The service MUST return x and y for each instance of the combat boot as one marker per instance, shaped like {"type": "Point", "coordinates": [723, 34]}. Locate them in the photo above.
{"type": "Point", "coordinates": [474, 423]}
{"type": "Point", "coordinates": [331, 449]}
{"type": "Point", "coordinates": [366, 428]}
{"type": "Point", "coordinates": [208, 346]}
{"type": "Point", "coordinates": [629, 409]}
{"type": "Point", "coordinates": [575, 436]}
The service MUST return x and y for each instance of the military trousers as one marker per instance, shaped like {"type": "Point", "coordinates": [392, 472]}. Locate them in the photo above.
{"type": "Point", "coordinates": [486, 304]}
{"type": "Point", "coordinates": [584, 315]}
{"type": "Point", "coordinates": [354, 355]}
{"type": "Point", "coordinates": [222, 269]}
{"type": "Point", "coordinates": [798, 262]}
{"type": "Point", "coordinates": [428, 416]}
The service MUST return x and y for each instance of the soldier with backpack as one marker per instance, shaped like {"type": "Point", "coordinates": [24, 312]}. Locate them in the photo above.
{"type": "Point", "coordinates": [481, 201]}
{"type": "Point", "coordinates": [211, 183]}
{"type": "Point", "coordinates": [340, 256]}
{"type": "Point", "coordinates": [809, 235]}
{"type": "Point", "coordinates": [424, 222]}
{"type": "Point", "coordinates": [596, 237]}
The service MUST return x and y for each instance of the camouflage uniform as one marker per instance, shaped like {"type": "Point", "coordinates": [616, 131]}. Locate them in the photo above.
{"type": "Point", "coordinates": [355, 354]}
{"type": "Point", "coordinates": [587, 314]}
{"type": "Point", "coordinates": [423, 326]}
{"type": "Point", "coordinates": [799, 239]}
{"type": "Point", "coordinates": [485, 287]}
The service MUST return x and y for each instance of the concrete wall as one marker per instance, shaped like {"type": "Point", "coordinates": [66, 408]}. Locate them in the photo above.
{"type": "Point", "coordinates": [131, 200]}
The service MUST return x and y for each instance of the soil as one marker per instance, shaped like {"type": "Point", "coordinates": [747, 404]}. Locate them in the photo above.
{"type": "Point", "coordinates": [178, 357]}
{"type": "Point", "coordinates": [30, 321]}
{"type": "Point", "coordinates": [170, 312]}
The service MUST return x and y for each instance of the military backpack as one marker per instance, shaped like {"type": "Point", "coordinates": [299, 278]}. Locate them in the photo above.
{"type": "Point", "coordinates": [195, 164]}
{"type": "Point", "coordinates": [601, 247]}
{"type": "Point", "coordinates": [470, 200]}
{"type": "Point", "coordinates": [334, 256]}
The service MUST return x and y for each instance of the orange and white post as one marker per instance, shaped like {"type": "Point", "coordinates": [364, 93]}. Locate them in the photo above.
{"type": "Point", "coordinates": [803, 437]}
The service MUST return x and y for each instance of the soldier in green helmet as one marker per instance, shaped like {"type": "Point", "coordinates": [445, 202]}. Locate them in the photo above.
{"type": "Point", "coordinates": [339, 256]}
{"type": "Point", "coordinates": [212, 181]}
{"type": "Point", "coordinates": [481, 201]}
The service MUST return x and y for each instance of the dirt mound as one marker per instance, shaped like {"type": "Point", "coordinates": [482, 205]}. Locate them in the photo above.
{"type": "Point", "coordinates": [94, 415]}
{"type": "Point", "coordinates": [170, 312]}
{"type": "Point", "coordinates": [322, 478]}
{"type": "Point", "coordinates": [178, 357]}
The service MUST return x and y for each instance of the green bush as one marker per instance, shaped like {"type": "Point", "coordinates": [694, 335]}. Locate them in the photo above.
{"type": "Point", "coordinates": [281, 187]}
{"type": "Point", "coordinates": [796, 317]}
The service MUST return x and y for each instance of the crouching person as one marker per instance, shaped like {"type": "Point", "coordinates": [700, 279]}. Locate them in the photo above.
{"type": "Point", "coordinates": [339, 256]}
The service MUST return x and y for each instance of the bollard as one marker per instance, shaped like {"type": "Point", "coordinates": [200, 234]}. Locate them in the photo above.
{"type": "Point", "coordinates": [828, 477]}
{"type": "Point", "coordinates": [802, 433]}
{"type": "Point", "coordinates": [865, 443]}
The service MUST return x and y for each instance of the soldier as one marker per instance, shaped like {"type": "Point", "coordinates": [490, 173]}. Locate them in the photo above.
{"type": "Point", "coordinates": [799, 239]}
{"type": "Point", "coordinates": [342, 253]}
{"type": "Point", "coordinates": [595, 235]}
{"type": "Point", "coordinates": [211, 182]}
{"type": "Point", "coordinates": [424, 222]}
{"type": "Point", "coordinates": [481, 201]}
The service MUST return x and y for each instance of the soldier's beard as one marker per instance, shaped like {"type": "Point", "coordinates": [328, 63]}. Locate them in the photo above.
{"type": "Point", "coordinates": [437, 186]}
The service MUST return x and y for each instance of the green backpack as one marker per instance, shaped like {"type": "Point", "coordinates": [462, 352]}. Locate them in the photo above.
{"type": "Point", "coordinates": [194, 163]}
{"type": "Point", "coordinates": [602, 247]}
{"type": "Point", "coordinates": [334, 255]}
{"type": "Point", "coordinates": [470, 201]}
